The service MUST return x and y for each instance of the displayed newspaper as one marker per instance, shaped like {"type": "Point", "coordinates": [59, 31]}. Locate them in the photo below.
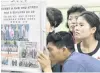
{"type": "Point", "coordinates": [21, 34]}
{"type": "Point", "coordinates": [22, 55]}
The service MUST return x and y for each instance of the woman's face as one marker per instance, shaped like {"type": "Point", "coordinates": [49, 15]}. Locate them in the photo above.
{"type": "Point", "coordinates": [72, 19]}
{"type": "Point", "coordinates": [83, 29]}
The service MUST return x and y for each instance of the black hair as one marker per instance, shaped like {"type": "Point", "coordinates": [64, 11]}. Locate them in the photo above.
{"type": "Point", "coordinates": [73, 9]}
{"type": "Point", "coordinates": [54, 16]}
{"type": "Point", "coordinates": [62, 39]}
{"type": "Point", "coordinates": [93, 21]}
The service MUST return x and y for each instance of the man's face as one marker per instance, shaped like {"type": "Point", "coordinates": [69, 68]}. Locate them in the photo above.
{"type": "Point", "coordinates": [72, 19]}
{"type": "Point", "coordinates": [56, 54]}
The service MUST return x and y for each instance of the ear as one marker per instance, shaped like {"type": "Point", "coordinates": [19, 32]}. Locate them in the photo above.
{"type": "Point", "coordinates": [65, 51]}
{"type": "Point", "coordinates": [93, 30]}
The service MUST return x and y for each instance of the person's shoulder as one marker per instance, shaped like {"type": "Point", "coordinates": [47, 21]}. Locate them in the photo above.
{"type": "Point", "coordinates": [75, 56]}
{"type": "Point", "coordinates": [79, 57]}
{"type": "Point", "coordinates": [97, 54]}
{"type": "Point", "coordinates": [73, 66]}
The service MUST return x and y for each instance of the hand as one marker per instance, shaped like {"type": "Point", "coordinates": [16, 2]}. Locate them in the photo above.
{"type": "Point", "coordinates": [45, 62]}
{"type": "Point", "coordinates": [45, 51]}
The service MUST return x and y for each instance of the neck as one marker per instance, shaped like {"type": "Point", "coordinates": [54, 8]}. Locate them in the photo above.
{"type": "Point", "coordinates": [52, 29]}
{"type": "Point", "coordinates": [66, 57]}
{"type": "Point", "coordinates": [89, 44]}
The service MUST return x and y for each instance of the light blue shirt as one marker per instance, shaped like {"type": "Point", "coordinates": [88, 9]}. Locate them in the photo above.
{"type": "Point", "coordinates": [78, 62]}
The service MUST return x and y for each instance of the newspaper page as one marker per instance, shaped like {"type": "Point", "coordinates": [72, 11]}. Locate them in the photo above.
{"type": "Point", "coordinates": [21, 34]}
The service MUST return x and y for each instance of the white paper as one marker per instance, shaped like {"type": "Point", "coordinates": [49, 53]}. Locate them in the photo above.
{"type": "Point", "coordinates": [21, 34]}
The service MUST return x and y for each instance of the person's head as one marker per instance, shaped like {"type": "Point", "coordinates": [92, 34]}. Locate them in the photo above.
{"type": "Point", "coordinates": [54, 17]}
{"type": "Point", "coordinates": [72, 15]}
{"type": "Point", "coordinates": [60, 45]}
{"type": "Point", "coordinates": [88, 25]}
